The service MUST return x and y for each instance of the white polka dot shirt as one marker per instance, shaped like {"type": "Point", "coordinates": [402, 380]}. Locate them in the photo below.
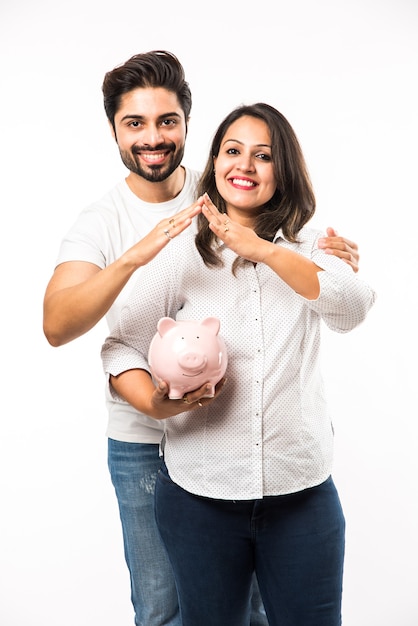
{"type": "Point", "coordinates": [269, 432]}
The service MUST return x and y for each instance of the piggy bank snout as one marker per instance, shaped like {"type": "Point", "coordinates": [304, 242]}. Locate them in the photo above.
{"type": "Point", "coordinates": [192, 361]}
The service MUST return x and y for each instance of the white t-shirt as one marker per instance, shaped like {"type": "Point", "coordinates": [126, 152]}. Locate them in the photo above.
{"type": "Point", "coordinates": [101, 234]}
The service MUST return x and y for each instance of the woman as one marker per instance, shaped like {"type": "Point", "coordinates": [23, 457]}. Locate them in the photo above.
{"type": "Point", "coordinates": [246, 483]}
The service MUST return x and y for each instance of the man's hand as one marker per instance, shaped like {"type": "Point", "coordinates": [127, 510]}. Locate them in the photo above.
{"type": "Point", "coordinates": [164, 407]}
{"type": "Point", "coordinates": [341, 247]}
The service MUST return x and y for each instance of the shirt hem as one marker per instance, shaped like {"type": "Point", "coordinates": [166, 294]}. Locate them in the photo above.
{"type": "Point", "coordinates": [134, 438]}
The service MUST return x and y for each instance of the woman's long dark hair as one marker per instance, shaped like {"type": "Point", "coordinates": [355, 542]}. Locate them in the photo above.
{"type": "Point", "coordinates": [293, 203]}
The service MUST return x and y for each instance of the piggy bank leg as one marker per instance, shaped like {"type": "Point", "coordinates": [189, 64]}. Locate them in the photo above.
{"type": "Point", "coordinates": [175, 393]}
{"type": "Point", "coordinates": [210, 393]}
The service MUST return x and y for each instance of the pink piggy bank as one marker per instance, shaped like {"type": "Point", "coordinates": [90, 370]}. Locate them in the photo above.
{"type": "Point", "coordinates": [187, 354]}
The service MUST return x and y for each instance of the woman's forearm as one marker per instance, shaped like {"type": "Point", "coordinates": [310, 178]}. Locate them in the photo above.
{"type": "Point", "coordinates": [300, 273]}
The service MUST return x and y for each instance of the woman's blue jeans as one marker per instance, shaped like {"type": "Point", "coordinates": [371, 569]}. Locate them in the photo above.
{"type": "Point", "coordinates": [133, 469]}
{"type": "Point", "coordinates": [294, 543]}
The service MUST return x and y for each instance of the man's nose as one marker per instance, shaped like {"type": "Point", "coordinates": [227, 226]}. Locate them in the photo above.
{"type": "Point", "coordinates": [152, 135]}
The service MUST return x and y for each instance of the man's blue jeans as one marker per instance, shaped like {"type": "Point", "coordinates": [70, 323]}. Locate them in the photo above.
{"type": "Point", "coordinates": [294, 543]}
{"type": "Point", "coordinates": [133, 469]}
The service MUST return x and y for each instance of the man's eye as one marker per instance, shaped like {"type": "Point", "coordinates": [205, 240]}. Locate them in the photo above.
{"type": "Point", "coordinates": [168, 122]}
{"type": "Point", "coordinates": [134, 124]}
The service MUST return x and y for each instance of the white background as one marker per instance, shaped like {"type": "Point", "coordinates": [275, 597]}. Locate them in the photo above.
{"type": "Point", "coordinates": [344, 72]}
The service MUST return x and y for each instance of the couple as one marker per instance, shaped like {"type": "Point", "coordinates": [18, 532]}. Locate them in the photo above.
{"type": "Point", "coordinates": [245, 485]}
{"type": "Point", "coordinates": [148, 103]}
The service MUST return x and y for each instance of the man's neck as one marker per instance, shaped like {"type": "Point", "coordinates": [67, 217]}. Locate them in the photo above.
{"type": "Point", "coordinates": [157, 192]}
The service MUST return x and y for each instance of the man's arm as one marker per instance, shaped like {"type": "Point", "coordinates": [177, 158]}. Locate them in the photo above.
{"type": "Point", "coordinates": [137, 387]}
{"type": "Point", "coordinates": [79, 293]}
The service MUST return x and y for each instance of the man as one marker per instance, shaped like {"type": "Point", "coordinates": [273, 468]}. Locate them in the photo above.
{"type": "Point", "coordinates": [147, 102]}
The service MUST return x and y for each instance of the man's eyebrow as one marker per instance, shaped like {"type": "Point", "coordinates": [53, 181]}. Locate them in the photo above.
{"type": "Point", "coordinates": [135, 116]}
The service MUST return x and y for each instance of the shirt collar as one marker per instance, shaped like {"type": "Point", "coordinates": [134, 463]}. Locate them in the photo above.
{"type": "Point", "coordinates": [278, 235]}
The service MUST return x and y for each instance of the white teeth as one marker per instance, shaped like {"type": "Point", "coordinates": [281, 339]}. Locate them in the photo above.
{"type": "Point", "coordinates": [153, 157]}
{"type": "Point", "coordinates": [242, 183]}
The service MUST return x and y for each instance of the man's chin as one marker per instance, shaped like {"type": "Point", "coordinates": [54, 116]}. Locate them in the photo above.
{"type": "Point", "coordinates": [156, 174]}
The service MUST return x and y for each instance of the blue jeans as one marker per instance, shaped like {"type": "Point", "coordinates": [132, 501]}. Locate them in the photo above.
{"type": "Point", "coordinates": [294, 543]}
{"type": "Point", "coordinates": [133, 468]}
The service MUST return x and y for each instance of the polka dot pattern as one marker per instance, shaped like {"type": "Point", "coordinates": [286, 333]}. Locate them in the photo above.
{"type": "Point", "coordinates": [269, 432]}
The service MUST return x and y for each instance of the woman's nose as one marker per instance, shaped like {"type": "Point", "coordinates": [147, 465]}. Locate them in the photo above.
{"type": "Point", "coordinates": [246, 164]}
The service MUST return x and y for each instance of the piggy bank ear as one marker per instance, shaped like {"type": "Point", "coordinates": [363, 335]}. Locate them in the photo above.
{"type": "Point", "coordinates": [212, 323]}
{"type": "Point", "coordinates": [165, 324]}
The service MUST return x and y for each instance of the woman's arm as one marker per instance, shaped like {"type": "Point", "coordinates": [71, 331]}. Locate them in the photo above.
{"type": "Point", "coordinates": [299, 272]}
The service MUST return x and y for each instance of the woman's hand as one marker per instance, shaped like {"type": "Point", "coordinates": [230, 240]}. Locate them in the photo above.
{"type": "Point", "coordinates": [241, 239]}
{"type": "Point", "coordinates": [299, 272]}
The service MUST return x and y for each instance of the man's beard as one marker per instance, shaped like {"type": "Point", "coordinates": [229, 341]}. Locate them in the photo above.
{"type": "Point", "coordinates": [153, 173]}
